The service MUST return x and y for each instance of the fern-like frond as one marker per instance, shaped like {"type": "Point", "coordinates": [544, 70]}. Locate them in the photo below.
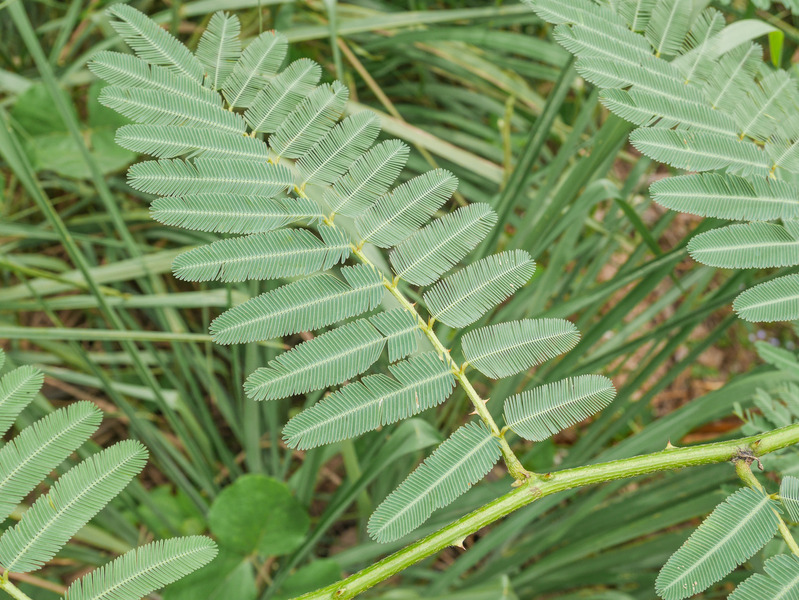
{"type": "Point", "coordinates": [154, 44]}
{"type": "Point", "coordinates": [781, 581]}
{"type": "Point", "coordinates": [258, 63]}
{"type": "Point", "coordinates": [302, 305]}
{"type": "Point", "coordinates": [145, 569]}
{"type": "Point", "coordinates": [368, 179]}
{"type": "Point", "coordinates": [653, 75]}
{"type": "Point", "coordinates": [605, 40]}
{"type": "Point", "coordinates": [583, 12]}
{"type": "Point", "coordinates": [411, 204]}
{"type": "Point", "coordinates": [727, 196]}
{"type": "Point", "coordinates": [128, 71]}
{"type": "Point", "coordinates": [700, 151]}
{"type": "Point", "coordinates": [436, 248]}
{"type": "Point", "coordinates": [789, 496]}
{"type": "Point", "coordinates": [282, 95]}
{"type": "Point", "coordinates": [733, 533]}
{"type": "Point", "coordinates": [310, 121]}
{"type": "Point", "coordinates": [668, 26]}
{"type": "Point", "coordinates": [228, 213]}
{"type": "Point", "coordinates": [330, 359]}
{"type": "Point", "coordinates": [401, 331]}
{"type": "Point", "coordinates": [219, 48]}
{"type": "Point", "coordinates": [155, 107]}
{"type": "Point", "coordinates": [697, 58]}
{"type": "Point", "coordinates": [73, 500]}
{"type": "Point", "coordinates": [17, 389]}
{"type": "Point", "coordinates": [339, 149]}
{"type": "Point", "coordinates": [457, 464]}
{"type": "Point", "coordinates": [209, 176]}
{"type": "Point", "coordinates": [768, 106]}
{"type": "Point", "coordinates": [731, 75]}
{"type": "Point", "coordinates": [281, 253]}
{"type": "Point", "coordinates": [509, 348]}
{"type": "Point", "coordinates": [169, 142]}
{"type": "Point", "coordinates": [543, 411]}
{"type": "Point", "coordinates": [420, 382]}
{"type": "Point", "coordinates": [28, 458]}
{"type": "Point", "coordinates": [465, 296]}
{"type": "Point", "coordinates": [775, 300]}
{"type": "Point", "coordinates": [636, 12]}
{"type": "Point", "coordinates": [646, 109]}
{"type": "Point", "coordinates": [746, 245]}
{"type": "Point", "coordinates": [783, 153]}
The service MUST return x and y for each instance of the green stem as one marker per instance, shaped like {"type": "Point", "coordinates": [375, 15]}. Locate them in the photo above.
{"type": "Point", "coordinates": [743, 467]}
{"type": "Point", "coordinates": [534, 489]}
{"type": "Point", "coordinates": [515, 468]}
{"type": "Point", "coordinates": [11, 589]}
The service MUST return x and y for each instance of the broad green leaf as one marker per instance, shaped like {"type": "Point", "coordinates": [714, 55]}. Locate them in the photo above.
{"type": "Point", "coordinates": [733, 533]}
{"type": "Point", "coordinates": [258, 514]}
{"type": "Point", "coordinates": [543, 411]}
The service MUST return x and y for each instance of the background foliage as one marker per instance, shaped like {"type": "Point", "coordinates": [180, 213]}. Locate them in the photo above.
{"type": "Point", "coordinates": [485, 92]}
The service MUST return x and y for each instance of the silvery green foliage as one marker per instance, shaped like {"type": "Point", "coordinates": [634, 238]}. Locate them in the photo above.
{"type": "Point", "coordinates": [76, 497]}
{"type": "Point", "coordinates": [310, 196]}
{"type": "Point", "coordinates": [705, 103]}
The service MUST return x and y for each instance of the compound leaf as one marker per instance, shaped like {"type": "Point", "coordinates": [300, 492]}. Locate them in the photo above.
{"type": "Point", "coordinates": [171, 141]}
{"type": "Point", "coordinates": [733, 533]}
{"type": "Point", "coordinates": [73, 500]}
{"type": "Point", "coordinates": [302, 305]}
{"type": "Point", "coordinates": [330, 359]}
{"type": "Point", "coordinates": [775, 300]}
{"type": "Point", "coordinates": [17, 389]}
{"type": "Point", "coordinates": [282, 94]}
{"type": "Point", "coordinates": [258, 63]}
{"type": "Point", "coordinates": [219, 48]}
{"type": "Point", "coordinates": [433, 250]}
{"type": "Point", "coordinates": [543, 411]}
{"type": "Point", "coordinates": [463, 297]}
{"type": "Point", "coordinates": [746, 245]}
{"type": "Point", "coordinates": [789, 496]}
{"type": "Point", "coordinates": [509, 348]}
{"type": "Point", "coordinates": [281, 253]}
{"type": "Point", "coordinates": [419, 383]}
{"type": "Point", "coordinates": [401, 331]}
{"type": "Point", "coordinates": [780, 581]}
{"type": "Point", "coordinates": [456, 465]}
